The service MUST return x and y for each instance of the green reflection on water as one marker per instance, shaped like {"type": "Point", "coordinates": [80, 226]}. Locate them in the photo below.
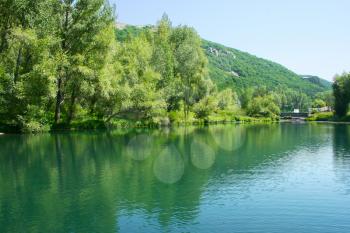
{"type": "Point", "coordinates": [89, 182]}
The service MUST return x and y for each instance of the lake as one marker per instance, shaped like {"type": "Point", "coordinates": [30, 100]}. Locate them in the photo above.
{"type": "Point", "coordinates": [287, 177]}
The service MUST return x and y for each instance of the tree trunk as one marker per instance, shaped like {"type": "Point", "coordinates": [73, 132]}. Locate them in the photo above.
{"type": "Point", "coordinates": [59, 96]}
{"type": "Point", "coordinates": [59, 100]}
{"type": "Point", "coordinates": [72, 106]}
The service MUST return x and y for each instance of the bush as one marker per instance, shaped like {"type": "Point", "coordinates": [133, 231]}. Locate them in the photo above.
{"type": "Point", "coordinates": [34, 127]}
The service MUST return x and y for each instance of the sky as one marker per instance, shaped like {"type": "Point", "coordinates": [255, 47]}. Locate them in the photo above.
{"type": "Point", "coordinates": [307, 36]}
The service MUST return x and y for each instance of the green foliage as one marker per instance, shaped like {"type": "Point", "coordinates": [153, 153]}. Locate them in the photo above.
{"type": "Point", "coordinates": [239, 70]}
{"type": "Point", "coordinates": [317, 80]}
{"type": "Point", "coordinates": [27, 67]}
{"type": "Point", "coordinates": [321, 116]}
{"type": "Point", "coordinates": [227, 100]}
{"type": "Point", "coordinates": [341, 90]}
{"type": "Point", "coordinates": [318, 103]}
{"type": "Point", "coordinates": [190, 63]}
{"type": "Point", "coordinates": [263, 106]}
{"type": "Point", "coordinates": [327, 97]}
{"type": "Point", "coordinates": [130, 32]}
{"type": "Point", "coordinates": [205, 106]}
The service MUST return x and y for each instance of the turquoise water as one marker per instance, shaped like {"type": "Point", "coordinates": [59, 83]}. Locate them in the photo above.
{"type": "Point", "coordinates": [227, 178]}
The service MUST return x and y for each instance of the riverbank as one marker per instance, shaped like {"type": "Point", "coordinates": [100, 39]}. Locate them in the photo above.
{"type": "Point", "coordinates": [96, 124]}
{"type": "Point", "coordinates": [328, 117]}
{"type": "Point", "coordinates": [127, 123]}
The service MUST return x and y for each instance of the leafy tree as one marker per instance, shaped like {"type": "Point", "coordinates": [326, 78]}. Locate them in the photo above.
{"type": "Point", "coordinates": [81, 49]}
{"type": "Point", "coordinates": [227, 100]}
{"type": "Point", "coordinates": [146, 100]}
{"type": "Point", "coordinates": [28, 67]}
{"type": "Point", "coordinates": [246, 97]}
{"type": "Point", "coordinates": [341, 89]}
{"type": "Point", "coordinates": [263, 107]}
{"type": "Point", "coordinates": [190, 63]}
{"type": "Point", "coordinates": [163, 57]}
{"type": "Point", "coordinates": [327, 97]}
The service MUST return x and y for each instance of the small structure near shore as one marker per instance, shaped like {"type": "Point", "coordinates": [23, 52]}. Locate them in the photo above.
{"type": "Point", "coordinates": [323, 109]}
{"type": "Point", "coordinates": [294, 115]}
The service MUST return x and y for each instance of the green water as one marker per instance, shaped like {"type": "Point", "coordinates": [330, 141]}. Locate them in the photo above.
{"type": "Point", "coordinates": [228, 178]}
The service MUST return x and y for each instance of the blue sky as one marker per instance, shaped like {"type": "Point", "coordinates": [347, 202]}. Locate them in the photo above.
{"type": "Point", "coordinates": [307, 36]}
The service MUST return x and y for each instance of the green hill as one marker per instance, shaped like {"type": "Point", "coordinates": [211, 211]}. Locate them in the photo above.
{"type": "Point", "coordinates": [233, 68]}
{"type": "Point", "coordinates": [239, 70]}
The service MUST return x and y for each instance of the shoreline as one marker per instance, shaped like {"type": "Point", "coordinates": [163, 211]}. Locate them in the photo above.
{"type": "Point", "coordinates": [250, 121]}
{"type": "Point", "coordinates": [332, 122]}
{"type": "Point", "coordinates": [141, 125]}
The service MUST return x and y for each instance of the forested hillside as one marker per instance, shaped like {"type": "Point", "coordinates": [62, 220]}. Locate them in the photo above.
{"type": "Point", "coordinates": [233, 68]}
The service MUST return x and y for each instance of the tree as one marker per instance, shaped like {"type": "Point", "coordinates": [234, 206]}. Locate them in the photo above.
{"type": "Point", "coordinates": [227, 100]}
{"type": "Point", "coordinates": [190, 63]}
{"type": "Point", "coordinates": [263, 106]}
{"type": "Point", "coordinates": [146, 100]}
{"type": "Point", "coordinates": [341, 90]}
{"type": "Point", "coordinates": [82, 48]}
{"type": "Point", "coordinates": [246, 97]}
{"type": "Point", "coordinates": [327, 97]}
{"type": "Point", "coordinates": [28, 67]}
{"type": "Point", "coordinates": [163, 57]}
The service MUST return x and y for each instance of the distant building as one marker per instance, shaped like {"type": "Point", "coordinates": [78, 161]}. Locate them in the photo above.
{"type": "Point", "coordinates": [296, 111]}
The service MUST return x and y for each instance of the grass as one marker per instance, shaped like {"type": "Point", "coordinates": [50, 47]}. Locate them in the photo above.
{"type": "Point", "coordinates": [321, 116]}
{"type": "Point", "coordinates": [328, 116]}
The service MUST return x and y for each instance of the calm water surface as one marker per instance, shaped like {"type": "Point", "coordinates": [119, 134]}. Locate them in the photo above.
{"type": "Point", "coordinates": [227, 178]}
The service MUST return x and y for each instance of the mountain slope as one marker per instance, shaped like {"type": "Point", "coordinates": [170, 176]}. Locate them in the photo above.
{"type": "Point", "coordinates": [233, 68]}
